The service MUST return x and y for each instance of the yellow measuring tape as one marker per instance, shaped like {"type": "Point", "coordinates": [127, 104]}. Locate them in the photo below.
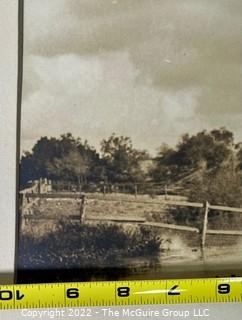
{"type": "Point", "coordinates": [118, 293]}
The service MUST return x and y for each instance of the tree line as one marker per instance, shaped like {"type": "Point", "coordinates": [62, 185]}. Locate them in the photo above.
{"type": "Point", "coordinates": [206, 157]}
{"type": "Point", "coordinates": [70, 159]}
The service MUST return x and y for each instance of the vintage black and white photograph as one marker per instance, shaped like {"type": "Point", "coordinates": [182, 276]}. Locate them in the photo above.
{"type": "Point", "coordinates": [131, 139]}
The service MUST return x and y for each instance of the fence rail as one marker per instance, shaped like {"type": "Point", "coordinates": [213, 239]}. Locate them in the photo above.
{"type": "Point", "coordinates": [42, 190]}
{"type": "Point", "coordinates": [228, 209]}
{"type": "Point", "coordinates": [26, 202]}
{"type": "Point", "coordinates": [136, 188]}
{"type": "Point", "coordinates": [171, 226]}
{"type": "Point", "coordinates": [225, 232]}
{"type": "Point", "coordinates": [54, 195]}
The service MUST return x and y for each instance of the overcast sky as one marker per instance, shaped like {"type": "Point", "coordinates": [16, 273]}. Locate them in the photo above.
{"type": "Point", "coordinates": [148, 69]}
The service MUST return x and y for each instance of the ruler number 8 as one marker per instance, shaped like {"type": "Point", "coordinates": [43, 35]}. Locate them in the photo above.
{"type": "Point", "coordinates": [123, 292]}
{"type": "Point", "coordinates": [224, 288]}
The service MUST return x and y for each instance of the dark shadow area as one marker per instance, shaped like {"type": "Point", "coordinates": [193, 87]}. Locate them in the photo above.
{"type": "Point", "coordinates": [118, 274]}
{"type": "Point", "coordinates": [71, 275]}
{"type": "Point", "coordinates": [6, 278]}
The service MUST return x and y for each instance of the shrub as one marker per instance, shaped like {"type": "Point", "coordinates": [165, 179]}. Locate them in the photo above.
{"type": "Point", "coordinates": [86, 246]}
{"type": "Point", "coordinates": [186, 216]}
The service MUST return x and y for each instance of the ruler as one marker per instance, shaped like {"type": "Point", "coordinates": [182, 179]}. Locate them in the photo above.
{"type": "Point", "coordinates": [118, 293]}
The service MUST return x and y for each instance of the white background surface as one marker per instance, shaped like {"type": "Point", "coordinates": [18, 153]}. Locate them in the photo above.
{"type": "Point", "coordinates": [220, 311]}
{"type": "Point", "coordinates": [8, 102]}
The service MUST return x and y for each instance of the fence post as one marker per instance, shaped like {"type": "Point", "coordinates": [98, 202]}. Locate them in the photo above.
{"type": "Point", "coordinates": [83, 209]}
{"type": "Point", "coordinates": [38, 184]}
{"type": "Point", "coordinates": [49, 186]}
{"type": "Point", "coordinates": [135, 191]}
{"type": "Point", "coordinates": [165, 192]}
{"type": "Point", "coordinates": [205, 223]}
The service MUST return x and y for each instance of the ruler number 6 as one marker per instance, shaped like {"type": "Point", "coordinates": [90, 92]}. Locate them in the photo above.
{"type": "Point", "coordinates": [224, 288]}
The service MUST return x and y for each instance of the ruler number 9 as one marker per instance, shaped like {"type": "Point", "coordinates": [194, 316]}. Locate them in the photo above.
{"type": "Point", "coordinates": [123, 292]}
{"type": "Point", "coordinates": [224, 288]}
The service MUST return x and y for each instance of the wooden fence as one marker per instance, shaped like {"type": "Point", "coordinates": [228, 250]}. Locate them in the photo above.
{"type": "Point", "coordinates": [135, 188]}
{"type": "Point", "coordinates": [206, 207]}
{"type": "Point", "coordinates": [26, 202]}
{"type": "Point", "coordinates": [29, 196]}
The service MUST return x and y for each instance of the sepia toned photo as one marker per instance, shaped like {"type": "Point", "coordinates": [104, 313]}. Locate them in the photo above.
{"type": "Point", "coordinates": [131, 140]}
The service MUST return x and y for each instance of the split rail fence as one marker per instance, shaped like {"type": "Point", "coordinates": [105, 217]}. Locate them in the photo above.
{"type": "Point", "coordinates": [42, 190]}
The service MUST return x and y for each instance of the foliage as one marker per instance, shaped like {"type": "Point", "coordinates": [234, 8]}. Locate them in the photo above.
{"type": "Point", "coordinates": [239, 158]}
{"type": "Point", "coordinates": [208, 165]}
{"type": "Point", "coordinates": [69, 159]}
{"type": "Point", "coordinates": [65, 158]}
{"type": "Point", "coordinates": [122, 160]}
{"type": "Point", "coordinates": [72, 164]}
{"type": "Point", "coordinates": [186, 216]}
{"type": "Point", "coordinates": [82, 246]}
{"type": "Point", "coordinates": [221, 188]}
{"type": "Point", "coordinates": [206, 150]}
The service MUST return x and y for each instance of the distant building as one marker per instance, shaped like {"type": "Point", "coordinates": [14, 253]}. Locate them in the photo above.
{"type": "Point", "coordinates": [147, 164]}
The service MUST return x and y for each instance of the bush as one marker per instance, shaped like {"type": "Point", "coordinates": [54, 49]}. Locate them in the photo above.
{"type": "Point", "coordinates": [187, 216]}
{"type": "Point", "coordinates": [222, 187]}
{"type": "Point", "coordinates": [83, 246]}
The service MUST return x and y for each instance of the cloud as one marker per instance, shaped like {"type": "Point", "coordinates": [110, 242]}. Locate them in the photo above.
{"type": "Point", "coordinates": [95, 96]}
{"type": "Point", "coordinates": [131, 67]}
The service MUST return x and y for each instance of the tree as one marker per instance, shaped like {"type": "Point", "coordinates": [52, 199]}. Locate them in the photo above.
{"type": "Point", "coordinates": [33, 165]}
{"type": "Point", "coordinates": [212, 147]}
{"type": "Point", "coordinates": [122, 160]}
{"type": "Point", "coordinates": [163, 169]}
{"type": "Point", "coordinates": [223, 135]}
{"type": "Point", "coordinates": [221, 188]}
{"type": "Point", "coordinates": [207, 150]}
{"type": "Point", "coordinates": [65, 158]}
{"type": "Point", "coordinates": [72, 166]}
{"type": "Point", "coordinates": [239, 157]}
